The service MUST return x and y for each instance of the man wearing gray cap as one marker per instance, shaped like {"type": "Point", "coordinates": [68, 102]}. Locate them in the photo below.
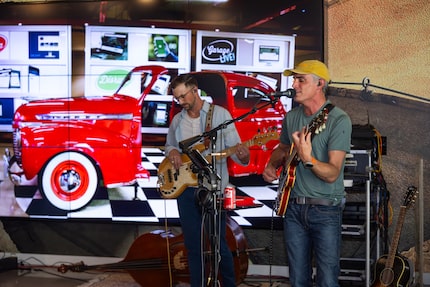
{"type": "Point", "coordinates": [314, 140]}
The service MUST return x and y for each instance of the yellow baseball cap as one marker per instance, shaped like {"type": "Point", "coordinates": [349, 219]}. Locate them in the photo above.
{"type": "Point", "coordinates": [310, 67]}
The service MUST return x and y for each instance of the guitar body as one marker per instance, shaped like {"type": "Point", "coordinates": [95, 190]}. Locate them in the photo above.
{"type": "Point", "coordinates": [394, 270]}
{"type": "Point", "coordinates": [172, 182]}
{"type": "Point", "coordinates": [400, 275]}
{"type": "Point", "coordinates": [175, 181]}
{"type": "Point", "coordinates": [286, 183]}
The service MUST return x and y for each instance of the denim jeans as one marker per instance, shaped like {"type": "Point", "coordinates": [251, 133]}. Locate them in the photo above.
{"type": "Point", "coordinates": [313, 231]}
{"type": "Point", "coordinates": [191, 221]}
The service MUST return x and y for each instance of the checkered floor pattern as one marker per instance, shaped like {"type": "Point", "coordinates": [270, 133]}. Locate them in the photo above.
{"type": "Point", "coordinates": [143, 203]}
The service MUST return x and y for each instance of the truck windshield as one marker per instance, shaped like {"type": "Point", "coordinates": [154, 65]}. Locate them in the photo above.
{"type": "Point", "coordinates": [135, 83]}
{"type": "Point", "coordinates": [247, 98]}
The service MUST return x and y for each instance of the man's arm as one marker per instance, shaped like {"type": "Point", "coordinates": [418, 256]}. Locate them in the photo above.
{"type": "Point", "coordinates": [328, 171]}
{"type": "Point", "coordinates": [276, 160]}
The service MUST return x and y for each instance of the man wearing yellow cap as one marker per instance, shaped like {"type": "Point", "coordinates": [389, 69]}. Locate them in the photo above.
{"type": "Point", "coordinates": [316, 135]}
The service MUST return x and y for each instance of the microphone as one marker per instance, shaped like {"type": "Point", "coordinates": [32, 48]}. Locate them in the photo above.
{"type": "Point", "coordinates": [289, 93]}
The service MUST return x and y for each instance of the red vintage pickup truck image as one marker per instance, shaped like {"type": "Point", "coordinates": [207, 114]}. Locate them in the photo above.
{"type": "Point", "coordinates": [70, 147]}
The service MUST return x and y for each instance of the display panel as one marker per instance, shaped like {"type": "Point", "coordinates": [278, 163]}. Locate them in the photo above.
{"type": "Point", "coordinates": [112, 46]}
{"type": "Point", "coordinates": [155, 114]}
{"type": "Point", "coordinates": [243, 52]}
{"type": "Point", "coordinates": [35, 63]}
{"type": "Point", "coordinates": [110, 50]}
{"type": "Point", "coordinates": [219, 51]}
{"type": "Point", "coordinates": [163, 48]}
{"type": "Point", "coordinates": [247, 53]}
{"type": "Point", "coordinates": [44, 45]}
{"type": "Point", "coordinates": [268, 53]}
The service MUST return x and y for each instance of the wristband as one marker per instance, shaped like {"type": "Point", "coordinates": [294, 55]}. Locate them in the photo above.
{"type": "Point", "coordinates": [310, 164]}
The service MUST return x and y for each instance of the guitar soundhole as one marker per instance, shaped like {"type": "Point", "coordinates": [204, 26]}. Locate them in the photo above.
{"type": "Point", "coordinates": [387, 276]}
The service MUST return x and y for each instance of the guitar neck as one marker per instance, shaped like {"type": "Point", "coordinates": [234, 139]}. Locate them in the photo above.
{"type": "Point", "coordinates": [231, 150]}
{"type": "Point", "coordinates": [316, 125]}
{"type": "Point", "coordinates": [396, 237]}
{"type": "Point", "coordinates": [292, 157]}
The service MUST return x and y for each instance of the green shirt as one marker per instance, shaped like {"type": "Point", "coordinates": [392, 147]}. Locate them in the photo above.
{"type": "Point", "coordinates": [335, 135]}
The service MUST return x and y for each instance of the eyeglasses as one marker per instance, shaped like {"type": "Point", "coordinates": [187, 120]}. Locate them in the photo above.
{"type": "Point", "coordinates": [181, 97]}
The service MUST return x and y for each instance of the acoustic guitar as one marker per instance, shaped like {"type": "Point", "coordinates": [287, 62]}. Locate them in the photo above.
{"type": "Point", "coordinates": [395, 270]}
{"type": "Point", "coordinates": [172, 182]}
{"type": "Point", "coordinates": [288, 172]}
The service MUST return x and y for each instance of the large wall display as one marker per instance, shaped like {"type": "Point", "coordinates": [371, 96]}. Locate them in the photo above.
{"type": "Point", "coordinates": [85, 159]}
{"type": "Point", "coordinates": [111, 52]}
{"type": "Point", "coordinates": [106, 126]}
{"type": "Point", "coordinates": [35, 62]}
{"type": "Point", "coordinates": [262, 56]}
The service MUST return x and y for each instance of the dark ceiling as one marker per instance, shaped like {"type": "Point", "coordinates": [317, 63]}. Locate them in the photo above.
{"type": "Point", "coordinates": [303, 18]}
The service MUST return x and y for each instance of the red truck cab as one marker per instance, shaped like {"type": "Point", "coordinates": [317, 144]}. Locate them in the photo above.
{"type": "Point", "coordinates": [247, 97]}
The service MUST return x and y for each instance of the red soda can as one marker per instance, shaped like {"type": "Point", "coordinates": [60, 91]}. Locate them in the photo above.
{"type": "Point", "coordinates": [229, 197]}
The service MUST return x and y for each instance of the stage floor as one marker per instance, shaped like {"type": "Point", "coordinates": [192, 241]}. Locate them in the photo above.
{"type": "Point", "coordinates": [143, 205]}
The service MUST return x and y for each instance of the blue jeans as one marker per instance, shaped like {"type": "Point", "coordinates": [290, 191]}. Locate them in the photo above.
{"type": "Point", "coordinates": [190, 214]}
{"type": "Point", "coordinates": [313, 230]}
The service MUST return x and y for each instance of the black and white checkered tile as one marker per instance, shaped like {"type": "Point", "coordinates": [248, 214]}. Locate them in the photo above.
{"type": "Point", "coordinates": [143, 203]}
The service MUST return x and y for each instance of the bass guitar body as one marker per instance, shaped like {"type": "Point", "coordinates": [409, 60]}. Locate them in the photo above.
{"type": "Point", "coordinates": [172, 182]}
{"type": "Point", "coordinates": [399, 275]}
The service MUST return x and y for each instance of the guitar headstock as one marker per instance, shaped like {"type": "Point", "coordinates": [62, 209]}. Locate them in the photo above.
{"type": "Point", "coordinates": [318, 123]}
{"type": "Point", "coordinates": [410, 196]}
{"type": "Point", "coordinates": [262, 138]}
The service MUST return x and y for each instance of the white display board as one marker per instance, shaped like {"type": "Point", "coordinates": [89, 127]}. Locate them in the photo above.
{"type": "Point", "coordinates": [111, 51]}
{"type": "Point", "coordinates": [35, 63]}
{"type": "Point", "coordinates": [262, 56]}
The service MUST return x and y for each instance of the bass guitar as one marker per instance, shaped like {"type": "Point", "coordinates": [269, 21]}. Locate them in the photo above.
{"type": "Point", "coordinates": [395, 270]}
{"type": "Point", "coordinates": [172, 182]}
{"type": "Point", "coordinates": [288, 172]}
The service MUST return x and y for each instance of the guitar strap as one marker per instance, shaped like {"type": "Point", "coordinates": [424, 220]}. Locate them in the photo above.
{"type": "Point", "coordinates": [329, 107]}
{"type": "Point", "coordinates": [208, 125]}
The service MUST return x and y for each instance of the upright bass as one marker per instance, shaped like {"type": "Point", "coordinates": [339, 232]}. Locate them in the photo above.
{"type": "Point", "coordinates": [159, 257]}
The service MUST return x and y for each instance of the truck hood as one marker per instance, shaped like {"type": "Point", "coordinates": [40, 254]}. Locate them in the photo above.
{"type": "Point", "coordinates": [77, 108]}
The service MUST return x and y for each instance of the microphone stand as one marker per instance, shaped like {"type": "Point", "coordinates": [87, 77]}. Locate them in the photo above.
{"type": "Point", "coordinates": [208, 171]}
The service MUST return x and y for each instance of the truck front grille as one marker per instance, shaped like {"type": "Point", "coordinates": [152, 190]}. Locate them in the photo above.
{"type": "Point", "coordinates": [17, 145]}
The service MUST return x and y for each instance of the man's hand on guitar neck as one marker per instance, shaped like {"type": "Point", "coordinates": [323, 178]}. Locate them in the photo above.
{"type": "Point", "coordinates": [302, 144]}
{"type": "Point", "coordinates": [242, 153]}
